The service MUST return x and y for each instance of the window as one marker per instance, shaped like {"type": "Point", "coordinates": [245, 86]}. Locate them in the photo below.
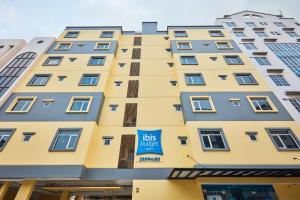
{"type": "Point", "coordinates": [27, 136]}
{"type": "Point", "coordinates": [63, 46]}
{"type": "Point", "coordinates": [213, 139]}
{"type": "Point", "coordinates": [102, 45]}
{"type": "Point", "coordinates": [97, 60]}
{"type": "Point", "coordinates": [130, 115]}
{"type": "Point", "coordinates": [72, 34]}
{"type": "Point", "coordinates": [279, 80]}
{"type": "Point", "coordinates": [261, 104]}
{"type": "Point", "coordinates": [261, 34]}
{"type": "Point", "coordinates": [180, 34]}
{"type": "Point", "coordinates": [262, 61]}
{"type": "Point", "coordinates": [284, 139]}
{"type": "Point", "coordinates": [275, 33]}
{"type": "Point", "coordinates": [239, 34]}
{"type": "Point", "coordinates": [79, 104]}
{"type": "Point", "coordinates": [107, 140]}
{"type": "Point", "coordinates": [65, 140]}
{"type": "Point", "coordinates": [118, 83]}
{"type": "Point", "coordinates": [202, 104]}
{"type": "Point", "coordinates": [252, 136]}
{"type": "Point", "coordinates": [177, 107]}
{"type": "Point", "coordinates": [222, 77]}
{"type": "Point", "coordinates": [21, 104]}
{"type": "Point", "coordinates": [233, 60]}
{"type": "Point", "coordinates": [279, 24]}
{"type": "Point", "coordinates": [250, 46]}
{"type": "Point", "coordinates": [134, 69]}
{"type": "Point", "coordinates": [245, 79]}
{"type": "Point", "coordinates": [107, 34]}
{"type": "Point", "coordinates": [251, 24]}
{"type": "Point", "coordinates": [194, 79]}
{"type": "Point", "coordinates": [133, 89]}
{"type": "Point", "coordinates": [263, 23]}
{"type": "Point", "coordinates": [224, 45]}
{"type": "Point", "coordinates": [5, 135]}
{"type": "Point", "coordinates": [39, 80]}
{"type": "Point", "coordinates": [47, 103]}
{"type": "Point", "coordinates": [89, 79]}
{"type": "Point", "coordinates": [173, 82]}
{"type": "Point", "coordinates": [53, 61]}
{"type": "Point", "coordinates": [113, 107]}
{"type": "Point", "coordinates": [292, 34]}
{"type": "Point", "coordinates": [61, 78]}
{"type": "Point", "coordinates": [230, 24]}
{"type": "Point", "coordinates": [184, 45]}
{"type": "Point", "coordinates": [137, 41]}
{"type": "Point", "coordinates": [235, 102]}
{"type": "Point", "coordinates": [183, 140]}
{"type": "Point", "coordinates": [136, 53]}
{"type": "Point", "coordinates": [216, 34]}
{"type": "Point", "coordinates": [296, 104]}
{"type": "Point", "coordinates": [188, 60]}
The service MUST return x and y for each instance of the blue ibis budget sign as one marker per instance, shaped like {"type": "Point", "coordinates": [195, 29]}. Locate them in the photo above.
{"type": "Point", "coordinates": [149, 142]}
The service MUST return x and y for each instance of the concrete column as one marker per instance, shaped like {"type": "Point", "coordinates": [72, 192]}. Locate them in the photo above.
{"type": "Point", "coordinates": [25, 190]}
{"type": "Point", "coordinates": [4, 189]}
{"type": "Point", "coordinates": [64, 195]}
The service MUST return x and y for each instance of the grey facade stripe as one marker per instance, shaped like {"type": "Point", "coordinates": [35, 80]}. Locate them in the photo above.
{"type": "Point", "coordinates": [225, 111]}
{"type": "Point", "coordinates": [57, 111]}
{"type": "Point", "coordinates": [87, 48]}
{"type": "Point", "coordinates": [199, 47]}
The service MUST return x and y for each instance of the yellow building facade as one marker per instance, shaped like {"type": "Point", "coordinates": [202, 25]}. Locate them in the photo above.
{"type": "Point", "coordinates": [176, 114]}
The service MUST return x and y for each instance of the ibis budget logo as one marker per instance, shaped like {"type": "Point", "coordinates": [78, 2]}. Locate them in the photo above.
{"type": "Point", "coordinates": [149, 142]}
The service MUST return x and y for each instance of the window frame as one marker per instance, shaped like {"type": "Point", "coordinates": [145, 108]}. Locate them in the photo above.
{"type": "Point", "coordinates": [83, 76]}
{"type": "Point", "coordinates": [93, 57]}
{"type": "Point", "coordinates": [280, 82]}
{"type": "Point", "coordinates": [66, 35]}
{"type": "Point", "coordinates": [212, 31]}
{"type": "Point", "coordinates": [51, 148]}
{"type": "Point", "coordinates": [230, 47]}
{"type": "Point", "coordinates": [97, 43]}
{"type": "Point", "coordinates": [266, 61]}
{"type": "Point", "coordinates": [294, 137]}
{"type": "Point", "coordinates": [60, 43]}
{"type": "Point", "coordinates": [52, 57]}
{"type": "Point", "coordinates": [17, 99]}
{"type": "Point", "coordinates": [104, 32]}
{"type": "Point", "coordinates": [245, 74]}
{"type": "Point", "coordinates": [274, 109]}
{"type": "Point", "coordinates": [185, 34]}
{"type": "Point", "coordinates": [227, 148]}
{"type": "Point", "coordinates": [226, 56]}
{"type": "Point", "coordinates": [213, 109]}
{"type": "Point", "coordinates": [196, 61]}
{"type": "Point", "coordinates": [36, 75]}
{"type": "Point", "coordinates": [12, 131]}
{"type": "Point", "coordinates": [186, 42]}
{"type": "Point", "coordinates": [194, 84]}
{"type": "Point", "coordinates": [74, 98]}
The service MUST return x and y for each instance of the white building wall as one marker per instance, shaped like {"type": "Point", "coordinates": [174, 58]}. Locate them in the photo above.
{"type": "Point", "coordinates": [239, 19]}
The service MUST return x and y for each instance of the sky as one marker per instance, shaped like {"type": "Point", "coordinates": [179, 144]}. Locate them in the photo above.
{"type": "Point", "coordinates": [24, 19]}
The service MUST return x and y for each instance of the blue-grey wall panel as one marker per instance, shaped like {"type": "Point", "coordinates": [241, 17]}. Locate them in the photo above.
{"type": "Point", "coordinates": [88, 47]}
{"type": "Point", "coordinates": [200, 46]}
{"type": "Point", "coordinates": [227, 112]}
{"type": "Point", "coordinates": [57, 111]}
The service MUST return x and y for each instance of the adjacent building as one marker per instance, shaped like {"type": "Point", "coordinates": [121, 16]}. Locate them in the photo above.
{"type": "Point", "coordinates": [273, 44]}
{"type": "Point", "coordinates": [181, 113]}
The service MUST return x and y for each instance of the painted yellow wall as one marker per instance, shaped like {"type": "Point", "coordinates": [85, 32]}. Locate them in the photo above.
{"type": "Point", "coordinates": [287, 191]}
{"type": "Point", "coordinates": [199, 34]}
{"type": "Point", "coordinates": [86, 35]}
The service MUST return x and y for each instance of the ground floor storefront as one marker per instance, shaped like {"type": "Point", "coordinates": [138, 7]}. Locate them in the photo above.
{"type": "Point", "coordinates": [206, 188]}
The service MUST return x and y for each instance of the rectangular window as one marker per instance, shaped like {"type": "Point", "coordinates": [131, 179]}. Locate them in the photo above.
{"type": "Point", "coordinates": [137, 41]}
{"type": "Point", "coordinates": [79, 104]}
{"type": "Point", "coordinates": [194, 79]}
{"type": "Point", "coordinates": [216, 34]}
{"type": "Point", "coordinates": [107, 34]}
{"type": "Point", "coordinates": [63, 46]}
{"type": "Point", "coordinates": [251, 24]}
{"type": "Point", "coordinates": [239, 34]}
{"type": "Point", "coordinates": [21, 104]}
{"type": "Point", "coordinates": [53, 61]}
{"type": "Point", "coordinates": [136, 53]}
{"type": "Point", "coordinates": [224, 45]}
{"type": "Point", "coordinates": [261, 34]}
{"type": "Point", "coordinates": [261, 104]}
{"type": "Point", "coordinates": [188, 60]}
{"type": "Point", "coordinates": [27, 136]}
{"type": "Point", "coordinates": [213, 139]}
{"type": "Point", "coordinates": [134, 69]}
{"type": "Point", "coordinates": [89, 79]}
{"type": "Point", "coordinates": [202, 104]}
{"type": "Point", "coordinates": [130, 115]}
{"type": "Point", "coordinates": [66, 140]}
{"type": "Point", "coordinates": [279, 24]}
{"type": "Point", "coordinates": [284, 139]}
{"type": "Point", "coordinates": [39, 80]}
{"type": "Point", "coordinates": [279, 80]}
{"type": "Point", "coordinates": [250, 46]}
{"type": "Point", "coordinates": [96, 60]}
{"type": "Point", "coordinates": [72, 34]}
{"type": "Point", "coordinates": [133, 89]}
{"type": "Point", "coordinates": [184, 45]}
{"type": "Point", "coordinates": [180, 34]}
{"type": "Point", "coordinates": [233, 60]}
{"type": "Point", "coordinates": [5, 135]}
{"type": "Point", "coordinates": [102, 46]}
{"type": "Point", "coordinates": [292, 34]}
{"type": "Point", "coordinates": [296, 104]}
{"type": "Point", "coordinates": [245, 79]}
{"type": "Point", "coordinates": [263, 23]}
{"type": "Point", "coordinates": [262, 61]}
{"type": "Point", "coordinates": [230, 24]}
